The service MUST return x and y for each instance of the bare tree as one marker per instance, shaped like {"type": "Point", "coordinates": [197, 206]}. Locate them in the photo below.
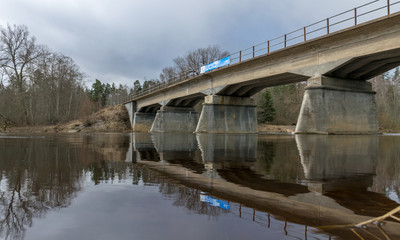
{"type": "Point", "coordinates": [190, 64]}
{"type": "Point", "coordinates": [17, 52]}
{"type": "Point", "coordinates": [167, 74]}
{"type": "Point", "coordinates": [54, 83]}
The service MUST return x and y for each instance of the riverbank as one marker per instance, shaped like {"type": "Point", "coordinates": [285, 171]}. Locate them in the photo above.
{"type": "Point", "coordinates": [108, 119]}
{"type": "Point", "coordinates": [116, 119]}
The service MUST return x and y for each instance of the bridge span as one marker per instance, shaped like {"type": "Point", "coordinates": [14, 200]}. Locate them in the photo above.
{"type": "Point", "coordinates": [337, 100]}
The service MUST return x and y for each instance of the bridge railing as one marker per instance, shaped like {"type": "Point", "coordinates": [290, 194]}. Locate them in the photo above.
{"type": "Point", "coordinates": [341, 21]}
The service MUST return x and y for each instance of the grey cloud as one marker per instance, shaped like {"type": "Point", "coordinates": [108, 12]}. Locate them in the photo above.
{"type": "Point", "coordinates": [125, 40]}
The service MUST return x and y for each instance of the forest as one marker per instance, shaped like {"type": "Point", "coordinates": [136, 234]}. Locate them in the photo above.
{"type": "Point", "coordinates": [41, 87]}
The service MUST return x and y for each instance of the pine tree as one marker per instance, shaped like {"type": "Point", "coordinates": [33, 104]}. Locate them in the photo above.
{"type": "Point", "coordinates": [266, 112]}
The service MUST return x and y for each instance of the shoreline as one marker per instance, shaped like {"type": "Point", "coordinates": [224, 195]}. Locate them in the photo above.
{"type": "Point", "coordinates": [78, 126]}
{"type": "Point", "coordinates": [115, 119]}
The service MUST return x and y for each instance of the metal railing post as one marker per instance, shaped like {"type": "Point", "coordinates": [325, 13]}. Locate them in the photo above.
{"type": "Point", "coordinates": [240, 56]}
{"type": "Point", "coordinates": [355, 16]}
{"type": "Point", "coordinates": [268, 46]}
{"type": "Point", "coordinates": [305, 34]}
{"type": "Point", "coordinates": [388, 6]}
{"type": "Point", "coordinates": [327, 25]}
{"type": "Point", "coordinates": [253, 52]}
{"type": "Point", "coordinates": [285, 41]}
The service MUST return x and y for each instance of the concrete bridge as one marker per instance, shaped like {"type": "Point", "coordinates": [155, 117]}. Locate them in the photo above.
{"type": "Point", "coordinates": [337, 100]}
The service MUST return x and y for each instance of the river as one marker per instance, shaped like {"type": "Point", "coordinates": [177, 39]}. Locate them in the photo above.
{"type": "Point", "coordinates": [204, 186]}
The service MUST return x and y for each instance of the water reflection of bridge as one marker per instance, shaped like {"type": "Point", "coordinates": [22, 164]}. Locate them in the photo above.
{"type": "Point", "coordinates": [314, 180]}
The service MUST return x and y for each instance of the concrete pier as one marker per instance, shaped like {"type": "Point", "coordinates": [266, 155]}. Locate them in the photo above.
{"type": "Point", "coordinates": [175, 119]}
{"type": "Point", "coordinates": [338, 106]}
{"type": "Point", "coordinates": [131, 108]}
{"type": "Point", "coordinates": [223, 114]}
{"type": "Point", "coordinates": [142, 122]}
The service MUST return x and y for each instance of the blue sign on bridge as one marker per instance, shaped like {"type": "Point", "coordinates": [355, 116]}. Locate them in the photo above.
{"type": "Point", "coordinates": [216, 64]}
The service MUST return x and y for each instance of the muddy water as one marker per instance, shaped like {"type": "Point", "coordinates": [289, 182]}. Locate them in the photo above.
{"type": "Point", "coordinates": [187, 186]}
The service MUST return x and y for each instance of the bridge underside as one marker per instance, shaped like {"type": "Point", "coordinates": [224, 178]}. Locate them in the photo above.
{"type": "Point", "coordinates": [367, 67]}
{"type": "Point", "coordinates": [249, 88]}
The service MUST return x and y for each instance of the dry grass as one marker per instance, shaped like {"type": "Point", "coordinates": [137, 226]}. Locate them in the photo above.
{"type": "Point", "coordinates": [276, 128]}
{"type": "Point", "coordinates": [108, 119]}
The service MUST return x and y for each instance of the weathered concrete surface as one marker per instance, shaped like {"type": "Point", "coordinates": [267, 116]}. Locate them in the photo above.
{"type": "Point", "coordinates": [175, 119]}
{"type": "Point", "coordinates": [130, 107]}
{"type": "Point", "coordinates": [337, 106]}
{"type": "Point", "coordinates": [142, 122]}
{"type": "Point", "coordinates": [222, 114]}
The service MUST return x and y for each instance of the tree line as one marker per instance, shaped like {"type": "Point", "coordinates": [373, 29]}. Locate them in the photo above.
{"type": "Point", "coordinates": [39, 86]}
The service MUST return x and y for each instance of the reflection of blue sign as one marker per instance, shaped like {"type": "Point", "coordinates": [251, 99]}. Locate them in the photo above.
{"type": "Point", "coordinates": [214, 202]}
{"type": "Point", "coordinates": [216, 64]}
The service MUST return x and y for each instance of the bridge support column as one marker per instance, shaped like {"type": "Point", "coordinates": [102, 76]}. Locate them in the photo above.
{"type": "Point", "coordinates": [337, 106]}
{"type": "Point", "coordinates": [175, 119]}
{"type": "Point", "coordinates": [131, 108]}
{"type": "Point", "coordinates": [223, 114]}
{"type": "Point", "coordinates": [142, 122]}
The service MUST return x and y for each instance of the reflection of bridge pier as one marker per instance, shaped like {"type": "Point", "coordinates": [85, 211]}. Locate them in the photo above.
{"type": "Point", "coordinates": [176, 147]}
{"type": "Point", "coordinates": [343, 168]}
{"type": "Point", "coordinates": [332, 162]}
{"type": "Point", "coordinates": [222, 150]}
{"type": "Point", "coordinates": [142, 148]}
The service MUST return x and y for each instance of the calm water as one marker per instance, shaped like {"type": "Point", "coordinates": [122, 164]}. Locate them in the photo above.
{"type": "Point", "coordinates": [187, 186]}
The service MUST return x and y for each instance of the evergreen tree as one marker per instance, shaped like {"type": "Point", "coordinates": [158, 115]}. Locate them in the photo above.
{"type": "Point", "coordinates": [100, 92]}
{"type": "Point", "coordinates": [97, 90]}
{"type": "Point", "coordinates": [266, 112]}
{"type": "Point", "coordinates": [136, 86]}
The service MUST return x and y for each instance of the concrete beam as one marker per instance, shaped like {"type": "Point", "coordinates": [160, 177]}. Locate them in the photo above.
{"type": "Point", "coordinates": [337, 106]}
{"type": "Point", "coordinates": [222, 114]}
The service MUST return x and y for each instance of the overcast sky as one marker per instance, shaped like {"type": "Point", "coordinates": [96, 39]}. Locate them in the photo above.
{"type": "Point", "coordinates": [124, 40]}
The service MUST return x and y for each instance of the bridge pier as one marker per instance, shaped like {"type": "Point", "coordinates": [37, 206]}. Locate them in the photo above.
{"type": "Point", "coordinates": [223, 114]}
{"type": "Point", "coordinates": [142, 122]}
{"type": "Point", "coordinates": [337, 106]}
{"type": "Point", "coordinates": [131, 108]}
{"type": "Point", "coordinates": [175, 119]}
